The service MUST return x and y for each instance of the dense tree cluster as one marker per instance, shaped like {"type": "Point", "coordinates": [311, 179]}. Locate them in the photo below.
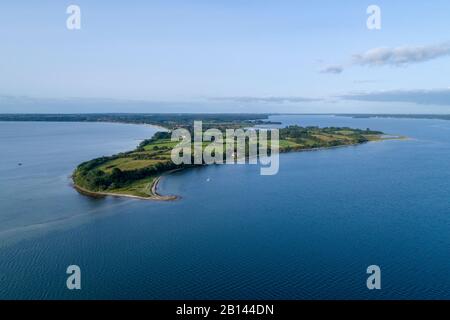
{"type": "Point", "coordinates": [88, 176]}
{"type": "Point", "coordinates": [308, 136]}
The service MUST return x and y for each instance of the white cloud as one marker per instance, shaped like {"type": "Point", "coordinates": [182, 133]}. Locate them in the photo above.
{"type": "Point", "coordinates": [398, 56]}
{"type": "Point", "coordinates": [401, 56]}
{"type": "Point", "coordinates": [333, 69]}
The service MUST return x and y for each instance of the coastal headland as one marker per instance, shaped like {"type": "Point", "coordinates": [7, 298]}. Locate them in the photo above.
{"type": "Point", "coordinates": [136, 173]}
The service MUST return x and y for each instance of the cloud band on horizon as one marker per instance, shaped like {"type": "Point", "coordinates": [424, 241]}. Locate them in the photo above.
{"type": "Point", "coordinates": [272, 99]}
{"type": "Point", "coordinates": [439, 97]}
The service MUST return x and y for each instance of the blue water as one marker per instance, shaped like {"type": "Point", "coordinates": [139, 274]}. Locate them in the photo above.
{"type": "Point", "coordinates": [309, 232]}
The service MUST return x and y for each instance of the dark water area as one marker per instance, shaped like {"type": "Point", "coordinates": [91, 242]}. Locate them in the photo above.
{"type": "Point", "coordinates": [309, 232]}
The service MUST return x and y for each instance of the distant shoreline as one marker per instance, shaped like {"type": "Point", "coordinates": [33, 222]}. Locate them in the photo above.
{"type": "Point", "coordinates": [150, 118]}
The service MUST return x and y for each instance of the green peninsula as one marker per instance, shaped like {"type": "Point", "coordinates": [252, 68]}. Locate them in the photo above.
{"type": "Point", "coordinates": [136, 173]}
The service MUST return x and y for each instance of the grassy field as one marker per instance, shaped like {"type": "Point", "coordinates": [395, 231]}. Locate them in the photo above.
{"type": "Point", "coordinates": [140, 188]}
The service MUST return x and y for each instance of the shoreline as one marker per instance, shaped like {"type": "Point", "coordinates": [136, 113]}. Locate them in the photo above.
{"type": "Point", "coordinates": [153, 188]}
{"type": "Point", "coordinates": [381, 138]}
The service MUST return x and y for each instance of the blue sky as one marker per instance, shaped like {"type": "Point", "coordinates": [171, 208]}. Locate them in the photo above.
{"type": "Point", "coordinates": [225, 56]}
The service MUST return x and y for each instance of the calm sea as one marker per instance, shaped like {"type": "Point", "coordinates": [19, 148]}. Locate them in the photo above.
{"type": "Point", "coordinates": [309, 232]}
